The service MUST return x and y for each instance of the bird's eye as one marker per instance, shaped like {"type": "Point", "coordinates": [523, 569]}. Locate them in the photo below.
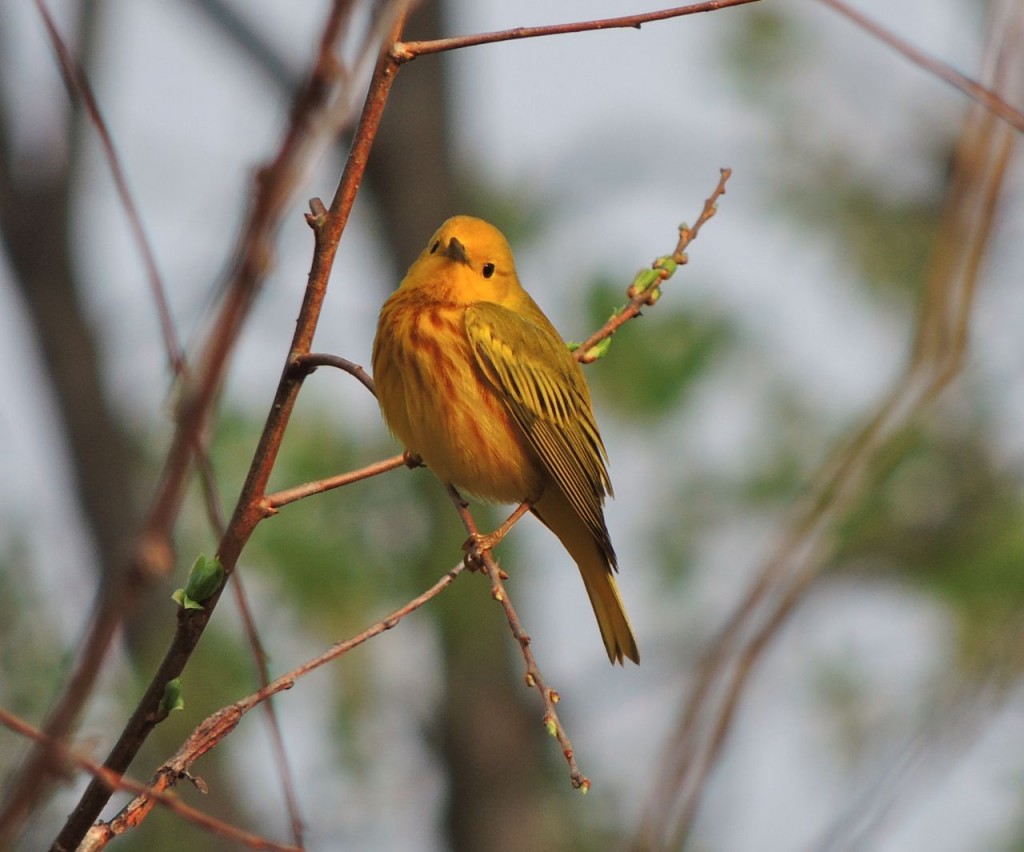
{"type": "Point", "coordinates": [435, 246]}
{"type": "Point", "coordinates": [488, 270]}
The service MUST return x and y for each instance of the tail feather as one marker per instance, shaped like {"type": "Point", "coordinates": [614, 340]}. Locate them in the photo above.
{"type": "Point", "coordinates": [595, 567]}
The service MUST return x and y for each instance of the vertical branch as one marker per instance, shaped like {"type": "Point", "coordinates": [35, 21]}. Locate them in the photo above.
{"type": "Point", "coordinates": [328, 226]}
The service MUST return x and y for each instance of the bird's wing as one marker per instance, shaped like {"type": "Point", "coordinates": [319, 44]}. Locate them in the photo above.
{"type": "Point", "coordinates": [543, 388]}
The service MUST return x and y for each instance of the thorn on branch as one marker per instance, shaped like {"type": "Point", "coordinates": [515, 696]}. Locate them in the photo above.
{"type": "Point", "coordinates": [195, 780]}
{"type": "Point", "coordinates": [317, 215]}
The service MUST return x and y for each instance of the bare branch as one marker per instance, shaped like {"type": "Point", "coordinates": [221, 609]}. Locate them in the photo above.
{"type": "Point", "coordinates": [318, 359]}
{"type": "Point", "coordinates": [534, 678]}
{"type": "Point", "coordinates": [273, 502]}
{"type": "Point", "coordinates": [985, 96]}
{"type": "Point", "coordinates": [408, 50]}
{"type": "Point", "coordinates": [78, 87]}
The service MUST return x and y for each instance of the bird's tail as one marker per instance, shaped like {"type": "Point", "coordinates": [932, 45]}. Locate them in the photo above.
{"type": "Point", "coordinates": [595, 566]}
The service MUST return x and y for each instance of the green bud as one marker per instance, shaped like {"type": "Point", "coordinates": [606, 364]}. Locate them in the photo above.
{"type": "Point", "coordinates": [644, 280]}
{"type": "Point", "coordinates": [204, 579]}
{"type": "Point", "coordinates": [172, 699]}
{"type": "Point", "coordinates": [597, 350]}
{"type": "Point", "coordinates": [667, 264]}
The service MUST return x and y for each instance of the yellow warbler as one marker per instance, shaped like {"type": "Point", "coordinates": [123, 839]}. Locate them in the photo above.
{"type": "Point", "coordinates": [475, 380]}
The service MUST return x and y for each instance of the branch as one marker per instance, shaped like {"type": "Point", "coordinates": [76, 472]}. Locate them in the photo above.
{"type": "Point", "coordinates": [534, 677]}
{"type": "Point", "coordinates": [310, 362]}
{"type": "Point", "coordinates": [212, 730]}
{"type": "Point", "coordinates": [259, 654]}
{"type": "Point", "coordinates": [985, 96]}
{"type": "Point", "coordinates": [77, 84]}
{"type": "Point", "coordinates": [274, 190]}
{"type": "Point", "coordinates": [646, 287]}
{"type": "Point", "coordinates": [409, 50]}
{"type": "Point", "coordinates": [116, 781]}
{"type": "Point", "coordinates": [272, 502]}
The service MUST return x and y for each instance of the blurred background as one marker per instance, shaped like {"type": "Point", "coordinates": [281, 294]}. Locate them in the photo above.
{"type": "Point", "coordinates": [882, 705]}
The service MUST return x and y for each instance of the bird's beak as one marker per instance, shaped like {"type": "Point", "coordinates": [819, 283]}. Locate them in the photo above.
{"type": "Point", "coordinates": [456, 251]}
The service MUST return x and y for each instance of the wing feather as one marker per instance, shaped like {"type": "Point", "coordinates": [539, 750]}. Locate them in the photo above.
{"type": "Point", "coordinates": [544, 390]}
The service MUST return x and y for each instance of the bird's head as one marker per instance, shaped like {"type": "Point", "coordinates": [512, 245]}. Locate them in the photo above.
{"type": "Point", "coordinates": [467, 260]}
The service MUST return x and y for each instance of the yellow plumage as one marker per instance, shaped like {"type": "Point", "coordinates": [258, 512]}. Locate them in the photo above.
{"type": "Point", "coordinates": [473, 378]}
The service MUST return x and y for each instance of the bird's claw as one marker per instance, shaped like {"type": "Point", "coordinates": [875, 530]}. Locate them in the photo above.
{"type": "Point", "coordinates": [476, 545]}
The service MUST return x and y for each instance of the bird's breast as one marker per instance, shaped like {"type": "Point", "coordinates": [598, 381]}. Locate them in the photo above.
{"type": "Point", "coordinates": [437, 402]}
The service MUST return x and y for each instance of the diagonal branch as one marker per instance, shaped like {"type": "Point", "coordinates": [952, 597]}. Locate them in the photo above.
{"type": "Point", "coordinates": [987, 97]}
{"type": "Point", "coordinates": [212, 730]}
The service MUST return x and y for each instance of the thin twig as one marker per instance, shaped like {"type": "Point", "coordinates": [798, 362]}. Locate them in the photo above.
{"type": "Point", "coordinates": [642, 297]}
{"type": "Point", "coordinates": [319, 359]}
{"type": "Point", "coordinates": [259, 654]}
{"type": "Point", "coordinates": [78, 86]}
{"type": "Point", "coordinates": [273, 502]}
{"type": "Point", "coordinates": [987, 97]}
{"type": "Point", "coordinates": [534, 678]}
{"type": "Point", "coordinates": [408, 50]}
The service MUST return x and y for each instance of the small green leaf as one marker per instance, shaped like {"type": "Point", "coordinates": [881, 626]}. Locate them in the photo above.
{"type": "Point", "coordinates": [172, 699]}
{"type": "Point", "coordinates": [204, 579]}
{"type": "Point", "coordinates": [668, 264]}
{"type": "Point", "coordinates": [181, 597]}
{"type": "Point", "coordinates": [643, 281]}
{"type": "Point", "coordinates": [598, 350]}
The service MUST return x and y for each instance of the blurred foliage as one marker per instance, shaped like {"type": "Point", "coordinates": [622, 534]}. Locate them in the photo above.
{"type": "Point", "coordinates": [656, 359]}
{"type": "Point", "coordinates": [944, 515]}
{"type": "Point", "coordinates": [762, 48]}
{"type": "Point", "coordinates": [940, 513]}
{"type": "Point", "coordinates": [888, 239]}
{"type": "Point", "coordinates": [31, 664]}
{"type": "Point", "coordinates": [883, 228]}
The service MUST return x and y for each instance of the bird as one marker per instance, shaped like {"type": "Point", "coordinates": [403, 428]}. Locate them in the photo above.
{"type": "Point", "coordinates": [474, 380]}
